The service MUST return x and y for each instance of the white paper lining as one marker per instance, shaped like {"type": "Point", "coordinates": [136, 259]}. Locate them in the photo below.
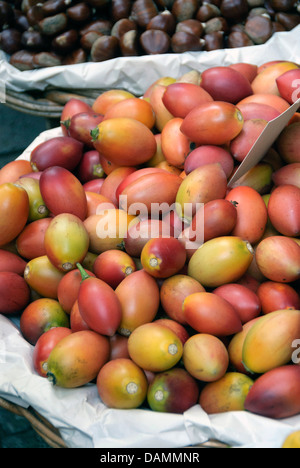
{"type": "Point", "coordinates": [79, 414]}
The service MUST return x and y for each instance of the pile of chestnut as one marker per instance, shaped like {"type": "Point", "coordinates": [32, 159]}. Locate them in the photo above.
{"type": "Point", "coordinates": [44, 33]}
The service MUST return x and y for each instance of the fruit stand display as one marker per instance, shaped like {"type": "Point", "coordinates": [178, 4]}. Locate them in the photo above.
{"type": "Point", "coordinates": [150, 258]}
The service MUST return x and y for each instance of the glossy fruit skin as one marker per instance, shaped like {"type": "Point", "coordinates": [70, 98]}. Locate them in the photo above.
{"type": "Point", "coordinates": [135, 108]}
{"type": "Point", "coordinates": [203, 184]}
{"type": "Point", "coordinates": [63, 192]}
{"type": "Point", "coordinates": [275, 296]}
{"type": "Point", "coordinates": [99, 306]}
{"type": "Point", "coordinates": [93, 185]}
{"type": "Point", "coordinates": [138, 294]}
{"type": "Point", "coordinates": [275, 394]}
{"type": "Point", "coordinates": [292, 440]}
{"type": "Point", "coordinates": [173, 291]}
{"type": "Point", "coordinates": [258, 110]}
{"type": "Point", "coordinates": [181, 98]}
{"type": "Point", "coordinates": [235, 348]}
{"type": "Point", "coordinates": [278, 259]}
{"type": "Point", "coordinates": [246, 302]}
{"type": "Point", "coordinates": [97, 203]}
{"type": "Point", "coordinates": [244, 141]}
{"type": "Point", "coordinates": [205, 357]}
{"type": "Point", "coordinates": [81, 125]}
{"type": "Point", "coordinates": [252, 213]}
{"type": "Point", "coordinates": [68, 288]}
{"type": "Point", "coordinates": [269, 343]}
{"type": "Point", "coordinates": [124, 141]}
{"type": "Point", "coordinates": [163, 257]}
{"type": "Point", "coordinates": [272, 100]}
{"type": "Point", "coordinates": [162, 115]}
{"type": "Point", "coordinates": [118, 347]}
{"type": "Point", "coordinates": [220, 260]}
{"type": "Point", "coordinates": [227, 394]}
{"type": "Point", "coordinates": [44, 346]}
{"type": "Point", "coordinates": [14, 293]}
{"type": "Point", "coordinates": [42, 315]}
{"type": "Point", "coordinates": [207, 154]}
{"type": "Point", "coordinates": [77, 359]}
{"type": "Point", "coordinates": [139, 233]}
{"type": "Point", "coordinates": [225, 84]}
{"type": "Point", "coordinates": [154, 347]}
{"type": "Point", "coordinates": [284, 209]}
{"type": "Point", "coordinates": [177, 327]}
{"type": "Point", "coordinates": [287, 175]}
{"type": "Point", "coordinates": [42, 276]}
{"type": "Point", "coordinates": [76, 321]}
{"type": "Point", "coordinates": [175, 145]}
{"type": "Point", "coordinates": [58, 151]}
{"type": "Point", "coordinates": [105, 100]}
{"type": "Point", "coordinates": [37, 207]}
{"type": "Point", "coordinates": [14, 205]}
{"type": "Point", "coordinates": [72, 107]}
{"type": "Point", "coordinates": [12, 170]}
{"type": "Point", "coordinates": [208, 313]}
{"type": "Point", "coordinates": [122, 384]}
{"type": "Point", "coordinates": [265, 81]}
{"type": "Point", "coordinates": [108, 229]}
{"type": "Point", "coordinates": [66, 241]}
{"type": "Point", "coordinates": [213, 123]}
{"type": "Point", "coordinates": [90, 167]}
{"type": "Point", "coordinates": [287, 85]}
{"type": "Point", "coordinates": [10, 261]}
{"type": "Point", "coordinates": [30, 242]}
{"type": "Point", "coordinates": [219, 219]}
{"type": "Point", "coordinates": [113, 266]}
{"type": "Point", "coordinates": [150, 193]}
{"type": "Point", "coordinates": [173, 391]}
{"type": "Point", "coordinates": [287, 143]}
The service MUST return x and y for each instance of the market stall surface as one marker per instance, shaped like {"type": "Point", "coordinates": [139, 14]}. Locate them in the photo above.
{"type": "Point", "coordinates": [17, 130]}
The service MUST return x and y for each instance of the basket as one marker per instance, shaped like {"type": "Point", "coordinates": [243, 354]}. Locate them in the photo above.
{"type": "Point", "coordinates": [52, 436]}
{"type": "Point", "coordinates": [48, 104]}
{"type": "Point", "coordinates": [41, 426]}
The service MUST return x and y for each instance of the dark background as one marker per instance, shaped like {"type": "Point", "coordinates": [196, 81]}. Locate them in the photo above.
{"type": "Point", "coordinates": [17, 131]}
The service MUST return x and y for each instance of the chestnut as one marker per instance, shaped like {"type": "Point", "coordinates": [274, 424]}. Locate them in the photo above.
{"type": "Point", "coordinates": [155, 41]}
{"type": "Point", "coordinates": [34, 40]}
{"type": "Point", "coordinates": [216, 24]}
{"type": "Point", "coordinates": [259, 29]}
{"type": "Point", "coordinates": [238, 39]}
{"type": "Point", "coordinates": [20, 20]}
{"type": "Point", "coordinates": [35, 14]}
{"type": "Point", "coordinates": [184, 9]}
{"type": "Point", "coordinates": [52, 7]}
{"type": "Point", "coordinates": [46, 59]}
{"type": "Point", "coordinates": [277, 27]}
{"type": "Point", "coordinates": [214, 40]}
{"type": "Point", "coordinates": [192, 26]}
{"type": "Point", "coordinates": [22, 60]}
{"type": "Point", "coordinates": [288, 20]}
{"type": "Point", "coordinates": [105, 48]}
{"type": "Point", "coordinates": [129, 44]}
{"type": "Point", "coordinates": [88, 39]}
{"type": "Point", "coordinates": [52, 25]}
{"type": "Point", "coordinates": [77, 56]}
{"type": "Point", "coordinates": [282, 5]}
{"type": "Point", "coordinates": [234, 10]}
{"type": "Point", "coordinates": [207, 11]}
{"type": "Point", "coordinates": [120, 9]}
{"type": "Point", "coordinates": [10, 40]}
{"type": "Point", "coordinates": [122, 26]}
{"type": "Point", "coordinates": [143, 11]}
{"type": "Point", "coordinates": [79, 12]}
{"type": "Point", "coordinates": [165, 21]}
{"type": "Point", "coordinates": [186, 42]}
{"type": "Point", "coordinates": [101, 25]}
{"type": "Point", "coordinates": [65, 42]}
